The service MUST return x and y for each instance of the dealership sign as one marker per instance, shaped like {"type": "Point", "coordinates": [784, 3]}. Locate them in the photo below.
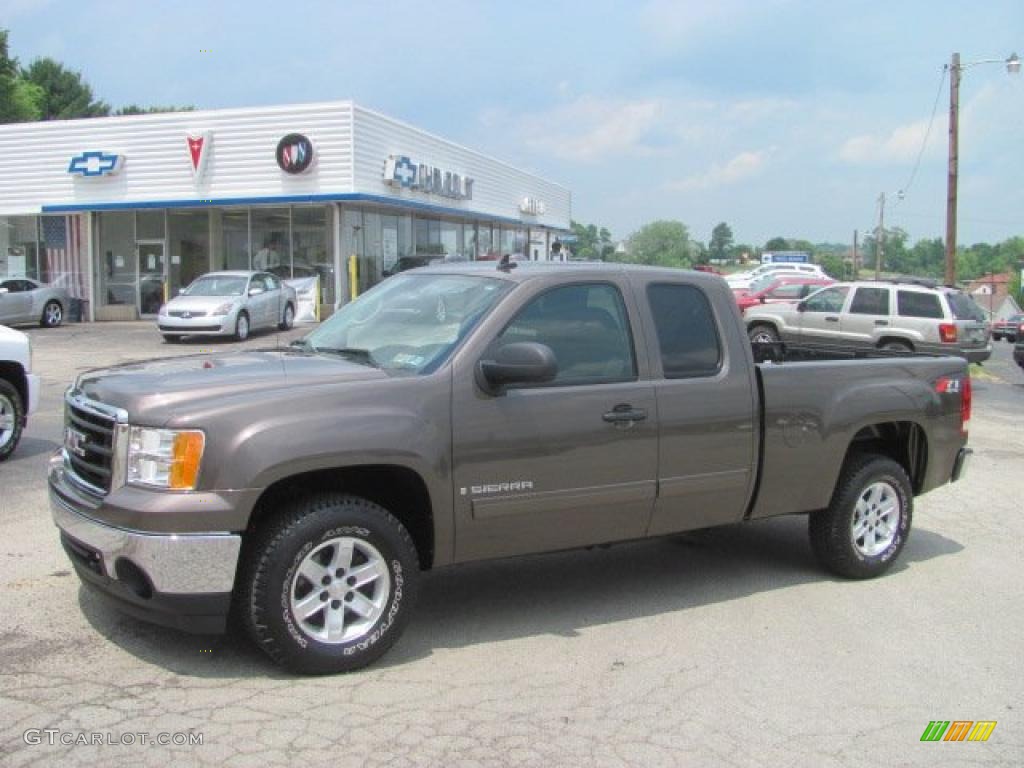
{"type": "Point", "coordinates": [294, 153]}
{"type": "Point", "coordinates": [95, 163]}
{"type": "Point", "coordinates": [532, 206]}
{"type": "Point", "coordinates": [198, 151]}
{"type": "Point", "coordinates": [400, 171]}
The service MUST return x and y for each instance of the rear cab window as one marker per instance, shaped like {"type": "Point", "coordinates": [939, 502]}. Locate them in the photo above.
{"type": "Point", "coordinates": [688, 339]}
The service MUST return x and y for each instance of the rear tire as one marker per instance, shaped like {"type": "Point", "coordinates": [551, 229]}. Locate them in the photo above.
{"type": "Point", "coordinates": [329, 585]}
{"type": "Point", "coordinates": [53, 315]}
{"type": "Point", "coordinates": [897, 346]}
{"type": "Point", "coordinates": [242, 326]}
{"type": "Point", "coordinates": [763, 334]}
{"type": "Point", "coordinates": [288, 319]}
{"type": "Point", "coordinates": [866, 525]}
{"type": "Point", "coordinates": [12, 417]}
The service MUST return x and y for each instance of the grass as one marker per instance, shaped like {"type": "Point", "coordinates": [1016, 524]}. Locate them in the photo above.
{"type": "Point", "coordinates": [977, 372]}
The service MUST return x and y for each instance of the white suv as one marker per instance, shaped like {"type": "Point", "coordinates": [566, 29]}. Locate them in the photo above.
{"type": "Point", "coordinates": [19, 388]}
{"type": "Point", "coordinates": [742, 280]}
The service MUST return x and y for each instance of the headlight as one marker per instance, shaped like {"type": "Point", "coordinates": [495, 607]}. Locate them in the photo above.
{"type": "Point", "coordinates": [223, 309]}
{"type": "Point", "coordinates": [165, 458]}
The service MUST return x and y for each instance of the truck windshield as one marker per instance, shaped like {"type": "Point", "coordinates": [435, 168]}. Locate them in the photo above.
{"type": "Point", "coordinates": [409, 322]}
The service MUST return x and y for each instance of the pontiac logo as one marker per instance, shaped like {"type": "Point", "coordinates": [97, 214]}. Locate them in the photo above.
{"type": "Point", "coordinates": [76, 441]}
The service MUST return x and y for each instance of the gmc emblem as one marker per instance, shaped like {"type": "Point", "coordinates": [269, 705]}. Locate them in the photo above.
{"type": "Point", "coordinates": [76, 441]}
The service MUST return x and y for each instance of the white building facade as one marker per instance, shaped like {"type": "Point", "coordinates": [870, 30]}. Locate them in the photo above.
{"type": "Point", "coordinates": [124, 211]}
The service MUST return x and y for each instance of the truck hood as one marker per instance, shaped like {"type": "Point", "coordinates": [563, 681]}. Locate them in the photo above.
{"type": "Point", "coordinates": [151, 390]}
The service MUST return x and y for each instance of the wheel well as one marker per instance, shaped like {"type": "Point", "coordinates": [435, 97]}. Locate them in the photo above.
{"type": "Point", "coordinates": [903, 441]}
{"type": "Point", "coordinates": [898, 339]}
{"type": "Point", "coordinates": [15, 374]}
{"type": "Point", "coordinates": [767, 323]}
{"type": "Point", "coordinates": [401, 491]}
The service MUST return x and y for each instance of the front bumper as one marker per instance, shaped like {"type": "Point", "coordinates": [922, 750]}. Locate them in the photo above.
{"type": "Point", "coordinates": [978, 355]}
{"type": "Point", "coordinates": [208, 325]}
{"type": "Point", "coordinates": [178, 580]}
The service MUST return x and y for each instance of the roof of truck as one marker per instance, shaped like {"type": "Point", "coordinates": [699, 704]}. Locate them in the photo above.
{"type": "Point", "coordinates": [519, 271]}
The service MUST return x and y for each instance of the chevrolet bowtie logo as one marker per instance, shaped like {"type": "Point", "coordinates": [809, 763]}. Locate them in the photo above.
{"type": "Point", "coordinates": [95, 164]}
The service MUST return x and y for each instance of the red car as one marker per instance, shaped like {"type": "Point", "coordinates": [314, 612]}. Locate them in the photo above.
{"type": "Point", "coordinates": [781, 290]}
{"type": "Point", "coordinates": [1008, 328]}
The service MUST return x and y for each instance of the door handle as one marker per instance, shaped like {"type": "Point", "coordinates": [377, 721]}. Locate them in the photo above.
{"type": "Point", "coordinates": [624, 412]}
{"type": "Point", "coordinates": [881, 322]}
{"type": "Point", "coordinates": [831, 319]}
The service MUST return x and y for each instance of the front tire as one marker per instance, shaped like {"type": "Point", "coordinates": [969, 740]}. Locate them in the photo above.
{"type": "Point", "coordinates": [329, 585]}
{"type": "Point", "coordinates": [12, 417]}
{"type": "Point", "coordinates": [53, 315]}
{"type": "Point", "coordinates": [866, 525]}
{"type": "Point", "coordinates": [242, 326]}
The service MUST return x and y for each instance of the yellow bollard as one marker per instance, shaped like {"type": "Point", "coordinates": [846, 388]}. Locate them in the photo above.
{"type": "Point", "coordinates": [353, 276]}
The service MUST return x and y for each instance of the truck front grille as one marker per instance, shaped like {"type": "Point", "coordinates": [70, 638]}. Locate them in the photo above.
{"type": "Point", "coordinates": [92, 436]}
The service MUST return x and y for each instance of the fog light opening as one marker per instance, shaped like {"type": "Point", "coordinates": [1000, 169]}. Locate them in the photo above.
{"type": "Point", "coordinates": [133, 577]}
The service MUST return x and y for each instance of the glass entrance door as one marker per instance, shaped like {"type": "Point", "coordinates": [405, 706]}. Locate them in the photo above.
{"type": "Point", "coordinates": [151, 276]}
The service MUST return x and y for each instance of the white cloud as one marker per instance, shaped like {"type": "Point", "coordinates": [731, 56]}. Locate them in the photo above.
{"type": "Point", "coordinates": [901, 145]}
{"type": "Point", "coordinates": [589, 129]}
{"type": "Point", "coordinates": [743, 166]}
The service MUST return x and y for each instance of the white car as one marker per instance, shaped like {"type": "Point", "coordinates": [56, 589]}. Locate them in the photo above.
{"type": "Point", "coordinates": [19, 388]}
{"type": "Point", "coordinates": [743, 280]}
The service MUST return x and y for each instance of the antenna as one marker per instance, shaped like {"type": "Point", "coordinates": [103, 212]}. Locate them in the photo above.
{"type": "Point", "coordinates": [506, 264]}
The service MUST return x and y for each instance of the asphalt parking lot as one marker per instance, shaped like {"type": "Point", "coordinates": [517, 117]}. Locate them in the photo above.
{"type": "Point", "coordinates": [725, 647]}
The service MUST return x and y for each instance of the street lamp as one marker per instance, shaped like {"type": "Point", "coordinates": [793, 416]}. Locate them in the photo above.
{"type": "Point", "coordinates": [1012, 63]}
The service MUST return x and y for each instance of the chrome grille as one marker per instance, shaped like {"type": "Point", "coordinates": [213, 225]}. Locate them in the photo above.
{"type": "Point", "coordinates": [94, 437]}
{"type": "Point", "coordinates": [185, 313]}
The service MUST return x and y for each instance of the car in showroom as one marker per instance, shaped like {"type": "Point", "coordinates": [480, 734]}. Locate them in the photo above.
{"type": "Point", "coordinates": [24, 300]}
{"type": "Point", "coordinates": [903, 316]}
{"type": "Point", "coordinates": [1008, 328]}
{"type": "Point", "coordinates": [781, 290]}
{"type": "Point", "coordinates": [232, 303]}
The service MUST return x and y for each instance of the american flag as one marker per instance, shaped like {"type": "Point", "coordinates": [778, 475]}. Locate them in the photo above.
{"type": "Point", "coordinates": [62, 236]}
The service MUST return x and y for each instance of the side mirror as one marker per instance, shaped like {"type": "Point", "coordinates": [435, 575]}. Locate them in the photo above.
{"type": "Point", "coordinates": [801, 307]}
{"type": "Point", "coordinates": [525, 362]}
{"type": "Point", "coordinates": [181, 291]}
{"type": "Point", "coordinates": [762, 299]}
{"type": "Point", "coordinates": [255, 291]}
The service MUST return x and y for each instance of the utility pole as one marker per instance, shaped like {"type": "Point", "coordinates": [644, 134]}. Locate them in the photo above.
{"type": "Point", "coordinates": [880, 237]}
{"type": "Point", "coordinates": [954, 142]}
{"type": "Point", "coordinates": [856, 258]}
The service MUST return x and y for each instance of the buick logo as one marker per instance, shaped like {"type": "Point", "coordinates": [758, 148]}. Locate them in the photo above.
{"type": "Point", "coordinates": [76, 441]}
{"type": "Point", "coordinates": [294, 153]}
{"type": "Point", "coordinates": [186, 315]}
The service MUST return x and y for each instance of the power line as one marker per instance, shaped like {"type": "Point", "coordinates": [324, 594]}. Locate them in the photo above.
{"type": "Point", "coordinates": [913, 174]}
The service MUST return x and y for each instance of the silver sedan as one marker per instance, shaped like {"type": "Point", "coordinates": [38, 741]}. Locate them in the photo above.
{"type": "Point", "coordinates": [23, 300]}
{"type": "Point", "coordinates": [228, 304]}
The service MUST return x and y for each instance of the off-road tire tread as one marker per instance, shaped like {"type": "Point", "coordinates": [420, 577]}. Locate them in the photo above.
{"type": "Point", "coordinates": [19, 417]}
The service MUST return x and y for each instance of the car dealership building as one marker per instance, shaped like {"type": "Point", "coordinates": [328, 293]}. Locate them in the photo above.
{"type": "Point", "coordinates": [124, 211]}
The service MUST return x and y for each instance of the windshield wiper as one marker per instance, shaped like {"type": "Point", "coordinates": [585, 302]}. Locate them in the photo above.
{"type": "Point", "coordinates": [351, 353]}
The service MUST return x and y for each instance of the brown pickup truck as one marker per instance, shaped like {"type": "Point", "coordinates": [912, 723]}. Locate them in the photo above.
{"type": "Point", "coordinates": [462, 412]}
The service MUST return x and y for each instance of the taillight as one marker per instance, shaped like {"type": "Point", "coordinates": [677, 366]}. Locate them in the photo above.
{"type": "Point", "coordinates": [947, 333]}
{"type": "Point", "coordinates": [958, 385]}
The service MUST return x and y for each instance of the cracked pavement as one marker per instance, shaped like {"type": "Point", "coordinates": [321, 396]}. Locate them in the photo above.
{"type": "Point", "coordinates": [721, 647]}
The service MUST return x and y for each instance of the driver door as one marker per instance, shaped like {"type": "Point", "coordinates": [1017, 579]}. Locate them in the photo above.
{"type": "Point", "coordinates": [821, 313]}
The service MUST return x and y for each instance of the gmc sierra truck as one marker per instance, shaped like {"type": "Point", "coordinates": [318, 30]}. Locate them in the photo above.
{"type": "Point", "coordinates": [461, 412]}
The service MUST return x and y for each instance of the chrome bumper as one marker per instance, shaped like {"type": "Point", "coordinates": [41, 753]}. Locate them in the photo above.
{"type": "Point", "coordinates": [175, 564]}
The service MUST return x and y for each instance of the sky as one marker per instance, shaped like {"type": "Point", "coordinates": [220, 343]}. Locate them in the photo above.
{"type": "Point", "coordinates": [780, 117]}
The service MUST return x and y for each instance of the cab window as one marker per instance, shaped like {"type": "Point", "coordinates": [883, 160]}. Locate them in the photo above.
{"type": "Point", "coordinates": [827, 300]}
{"type": "Point", "coordinates": [870, 301]}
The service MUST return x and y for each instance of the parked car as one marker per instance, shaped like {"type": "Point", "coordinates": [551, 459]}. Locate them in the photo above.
{"type": "Point", "coordinates": [1008, 328]}
{"type": "Point", "coordinates": [780, 290]}
{"type": "Point", "coordinates": [19, 388]}
{"type": "Point", "coordinates": [907, 317]}
{"type": "Point", "coordinates": [228, 304]}
{"type": "Point", "coordinates": [563, 406]}
{"type": "Point", "coordinates": [24, 300]}
{"type": "Point", "coordinates": [743, 280]}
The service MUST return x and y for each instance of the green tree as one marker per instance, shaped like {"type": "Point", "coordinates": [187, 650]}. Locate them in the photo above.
{"type": "Point", "coordinates": [19, 100]}
{"type": "Point", "coordinates": [65, 94]}
{"type": "Point", "coordinates": [661, 243]}
{"type": "Point", "coordinates": [721, 241]}
{"type": "Point", "coordinates": [135, 109]}
{"type": "Point", "coordinates": [592, 243]}
{"type": "Point", "coordinates": [833, 265]}
{"type": "Point", "coordinates": [777, 244]}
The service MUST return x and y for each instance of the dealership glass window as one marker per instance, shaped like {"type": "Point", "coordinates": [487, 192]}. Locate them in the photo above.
{"type": "Point", "coordinates": [508, 241]}
{"type": "Point", "coordinates": [388, 242]}
{"type": "Point", "coordinates": [149, 225]}
{"type": "Point", "coordinates": [450, 239]}
{"type": "Point", "coordinates": [20, 247]}
{"type": "Point", "coordinates": [188, 240]}
{"type": "Point", "coordinates": [312, 248]}
{"type": "Point", "coordinates": [230, 236]}
{"type": "Point", "coordinates": [469, 240]}
{"type": "Point", "coordinates": [352, 241]}
{"type": "Point", "coordinates": [428, 236]}
{"type": "Point", "coordinates": [116, 278]}
{"type": "Point", "coordinates": [485, 245]}
{"type": "Point", "coordinates": [270, 238]}
{"type": "Point", "coordinates": [371, 275]}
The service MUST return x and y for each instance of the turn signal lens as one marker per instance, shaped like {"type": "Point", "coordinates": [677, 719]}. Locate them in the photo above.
{"type": "Point", "coordinates": [947, 333]}
{"type": "Point", "coordinates": [955, 385]}
{"type": "Point", "coordinates": [186, 455]}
